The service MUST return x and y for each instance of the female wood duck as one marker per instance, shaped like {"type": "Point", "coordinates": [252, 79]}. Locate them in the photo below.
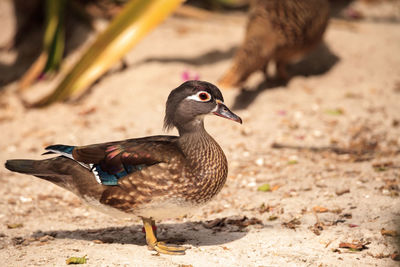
{"type": "Point", "coordinates": [152, 177]}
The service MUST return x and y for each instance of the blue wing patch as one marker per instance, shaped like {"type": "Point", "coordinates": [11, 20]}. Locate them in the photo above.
{"type": "Point", "coordinates": [106, 178]}
{"type": "Point", "coordinates": [102, 177]}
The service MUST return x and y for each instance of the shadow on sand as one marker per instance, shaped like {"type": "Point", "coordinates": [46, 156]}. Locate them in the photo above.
{"type": "Point", "coordinates": [318, 62]}
{"type": "Point", "coordinates": [193, 233]}
{"type": "Point", "coordinates": [210, 57]}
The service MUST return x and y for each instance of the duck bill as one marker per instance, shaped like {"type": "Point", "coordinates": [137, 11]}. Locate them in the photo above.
{"type": "Point", "coordinates": [223, 111]}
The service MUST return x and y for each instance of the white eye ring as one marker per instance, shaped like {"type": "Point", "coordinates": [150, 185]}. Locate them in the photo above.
{"type": "Point", "coordinates": [201, 96]}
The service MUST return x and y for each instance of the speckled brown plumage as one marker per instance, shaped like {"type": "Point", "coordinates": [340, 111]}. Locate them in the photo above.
{"type": "Point", "coordinates": [278, 30]}
{"type": "Point", "coordinates": [195, 172]}
{"type": "Point", "coordinates": [152, 177]}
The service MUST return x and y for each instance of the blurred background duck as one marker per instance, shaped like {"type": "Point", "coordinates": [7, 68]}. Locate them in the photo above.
{"type": "Point", "coordinates": [282, 31]}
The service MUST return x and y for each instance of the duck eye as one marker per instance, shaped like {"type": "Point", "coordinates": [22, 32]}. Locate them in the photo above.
{"type": "Point", "coordinates": [203, 96]}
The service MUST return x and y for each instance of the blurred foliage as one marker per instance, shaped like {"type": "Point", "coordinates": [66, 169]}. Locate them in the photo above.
{"type": "Point", "coordinates": [134, 21]}
{"type": "Point", "coordinates": [53, 43]}
{"type": "Point", "coordinates": [54, 36]}
{"type": "Point", "coordinates": [129, 25]}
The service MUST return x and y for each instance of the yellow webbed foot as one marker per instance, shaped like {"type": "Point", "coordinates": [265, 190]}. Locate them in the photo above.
{"type": "Point", "coordinates": [161, 247]}
{"type": "Point", "coordinates": [158, 246]}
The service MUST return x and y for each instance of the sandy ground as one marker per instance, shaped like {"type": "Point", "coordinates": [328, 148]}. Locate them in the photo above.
{"type": "Point", "coordinates": [346, 95]}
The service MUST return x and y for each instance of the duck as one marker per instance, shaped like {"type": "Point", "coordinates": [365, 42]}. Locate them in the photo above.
{"type": "Point", "coordinates": [153, 177]}
{"type": "Point", "coordinates": [282, 31]}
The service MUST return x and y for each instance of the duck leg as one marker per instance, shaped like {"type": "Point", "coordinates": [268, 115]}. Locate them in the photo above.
{"type": "Point", "coordinates": [281, 70]}
{"type": "Point", "coordinates": [158, 246]}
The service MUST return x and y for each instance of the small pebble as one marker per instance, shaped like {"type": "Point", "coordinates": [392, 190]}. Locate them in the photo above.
{"type": "Point", "coordinates": [260, 162]}
{"type": "Point", "coordinates": [25, 199]}
{"type": "Point", "coordinates": [246, 131]}
{"type": "Point", "coordinates": [317, 133]}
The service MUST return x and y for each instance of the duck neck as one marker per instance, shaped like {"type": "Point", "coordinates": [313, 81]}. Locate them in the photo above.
{"type": "Point", "coordinates": [206, 159]}
{"type": "Point", "coordinates": [193, 138]}
{"type": "Point", "coordinates": [191, 127]}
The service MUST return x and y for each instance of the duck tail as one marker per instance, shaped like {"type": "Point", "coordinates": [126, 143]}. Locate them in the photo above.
{"type": "Point", "coordinates": [61, 171]}
{"type": "Point", "coordinates": [51, 169]}
{"type": "Point", "coordinates": [25, 166]}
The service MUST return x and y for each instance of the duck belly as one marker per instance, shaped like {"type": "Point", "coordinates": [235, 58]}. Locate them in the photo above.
{"type": "Point", "coordinates": [167, 209]}
{"type": "Point", "coordinates": [157, 210]}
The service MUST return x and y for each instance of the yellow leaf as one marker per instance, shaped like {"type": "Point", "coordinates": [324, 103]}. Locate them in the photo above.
{"type": "Point", "coordinates": [275, 187]}
{"type": "Point", "coordinates": [136, 19]}
{"type": "Point", "coordinates": [389, 232]}
{"type": "Point", "coordinates": [264, 188]}
{"type": "Point", "coordinates": [319, 209]}
{"type": "Point", "coordinates": [14, 225]}
{"type": "Point", "coordinates": [76, 260]}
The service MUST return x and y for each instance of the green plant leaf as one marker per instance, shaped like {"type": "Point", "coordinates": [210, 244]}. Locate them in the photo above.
{"type": "Point", "coordinates": [264, 188]}
{"type": "Point", "coordinates": [53, 44]}
{"type": "Point", "coordinates": [76, 260]}
{"type": "Point", "coordinates": [335, 112]}
{"type": "Point", "coordinates": [136, 19]}
{"type": "Point", "coordinates": [54, 38]}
